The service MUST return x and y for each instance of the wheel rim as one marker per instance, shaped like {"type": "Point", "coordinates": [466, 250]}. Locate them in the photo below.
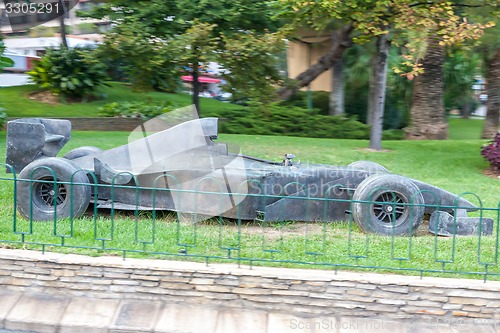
{"type": "Point", "coordinates": [389, 209]}
{"type": "Point", "coordinates": [45, 193]}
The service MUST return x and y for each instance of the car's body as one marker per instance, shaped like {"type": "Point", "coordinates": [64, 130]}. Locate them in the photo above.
{"type": "Point", "coordinates": [183, 169]}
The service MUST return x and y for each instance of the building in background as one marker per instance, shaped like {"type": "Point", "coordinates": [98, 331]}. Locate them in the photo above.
{"type": "Point", "coordinates": [305, 51]}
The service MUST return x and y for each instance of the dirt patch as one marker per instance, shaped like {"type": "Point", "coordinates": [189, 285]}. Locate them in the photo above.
{"type": "Point", "coordinates": [274, 231]}
{"type": "Point", "coordinates": [44, 97]}
{"type": "Point", "coordinates": [492, 174]}
{"type": "Point", "coordinates": [374, 150]}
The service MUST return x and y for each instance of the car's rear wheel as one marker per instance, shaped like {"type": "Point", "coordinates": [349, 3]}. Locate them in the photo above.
{"type": "Point", "coordinates": [40, 196]}
{"type": "Point", "coordinates": [368, 166]}
{"type": "Point", "coordinates": [388, 204]}
{"type": "Point", "coordinates": [81, 152]}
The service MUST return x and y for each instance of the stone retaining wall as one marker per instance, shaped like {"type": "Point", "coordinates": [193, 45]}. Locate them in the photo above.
{"type": "Point", "coordinates": [304, 293]}
{"type": "Point", "coordinates": [102, 124]}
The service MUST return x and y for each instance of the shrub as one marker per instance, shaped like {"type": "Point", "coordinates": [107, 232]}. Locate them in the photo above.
{"type": "Point", "coordinates": [144, 110]}
{"type": "Point", "coordinates": [71, 73]}
{"type": "Point", "coordinates": [320, 100]}
{"type": "Point", "coordinates": [491, 152]}
{"type": "Point", "coordinates": [3, 117]}
{"type": "Point", "coordinates": [289, 121]}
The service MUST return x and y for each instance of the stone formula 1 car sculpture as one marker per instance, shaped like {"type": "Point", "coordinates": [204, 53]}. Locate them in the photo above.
{"type": "Point", "coordinates": [182, 168]}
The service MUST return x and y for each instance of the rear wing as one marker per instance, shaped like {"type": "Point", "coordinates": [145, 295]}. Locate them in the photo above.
{"type": "Point", "coordinates": [29, 139]}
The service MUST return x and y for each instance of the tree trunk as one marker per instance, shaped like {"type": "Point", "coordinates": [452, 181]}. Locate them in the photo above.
{"type": "Point", "coordinates": [428, 117]}
{"type": "Point", "coordinates": [337, 95]}
{"type": "Point", "coordinates": [62, 26]}
{"type": "Point", "coordinates": [377, 92]}
{"type": "Point", "coordinates": [196, 88]}
{"type": "Point", "coordinates": [491, 123]}
{"type": "Point", "coordinates": [341, 40]}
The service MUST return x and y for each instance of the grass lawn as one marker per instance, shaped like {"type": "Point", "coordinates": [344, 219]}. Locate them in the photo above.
{"type": "Point", "coordinates": [465, 129]}
{"type": "Point", "coordinates": [455, 165]}
{"type": "Point", "coordinates": [16, 102]}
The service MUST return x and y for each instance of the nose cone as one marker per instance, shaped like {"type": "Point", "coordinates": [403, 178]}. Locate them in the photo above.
{"type": "Point", "coordinates": [464, 203]}
{"type": "Point", "coordinates": [436, 196]}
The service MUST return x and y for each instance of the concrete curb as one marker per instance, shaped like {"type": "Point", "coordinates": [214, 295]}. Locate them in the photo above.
{"type": "Point", "coordinates": [56, 292]}
{"type": "Point", "coordinates": [54, 314]}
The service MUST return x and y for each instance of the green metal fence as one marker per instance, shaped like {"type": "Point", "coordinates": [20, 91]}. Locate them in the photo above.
{"type": "Point", "coordinates": [151, 232]}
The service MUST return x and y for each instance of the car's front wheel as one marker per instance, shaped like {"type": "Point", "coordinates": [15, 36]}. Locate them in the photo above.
{"type": "Point", "coordinates": [51, 186]}
{"type": "Point", "coordinates": [388, 204]}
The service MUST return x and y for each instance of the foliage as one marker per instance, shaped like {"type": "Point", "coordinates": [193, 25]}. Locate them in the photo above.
{"type": "Point", "coordinates": [87, 28]}
{"type": "Point", "coordinates": [41, 31]}
{"type": "Point", "coordinates": [252, 63]}
{"type": "Point", "coordinates": [4, 61]}
{"type": "Point", "coordinates": [144, 110]}
{"type": "Point", "coordinates": [176, 35]}
{"type": "Point", "coordinates": [460, 70]}
{"type": "Point", "coordinates": [357, 73]}
{"type": "Point", "coordinates": [3, 117]}
{"type": "Point", "coordinates": [274, 119]}
{"type": "Point", "coordinates": [491, 152]}
{"type": "Point", "coordinates": [71, 73]}
{"type": "Point", "coordinates": [320, 100]}
{"type": "Point", "coordinates": [131, 50]}
{"type": "Point", "coordinates": [409, 21]}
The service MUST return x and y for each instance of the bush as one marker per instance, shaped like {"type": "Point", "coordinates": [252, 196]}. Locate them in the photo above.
{"type": "Point", "coordinates": [71, 73]}
{"type": "Point", "coordinates": [289, 121]}
{"type": "Point", "coordinates": [491, 152]}
{"type": "Point", "coordinates": [320, 100]}
{"type": "Point", "coordinates": [144, 110]}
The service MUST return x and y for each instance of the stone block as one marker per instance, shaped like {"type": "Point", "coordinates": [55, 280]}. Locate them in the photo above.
{"type": "Point", "coordinates": [86, 315]}
{"type": "Point", "coordinates": [136, 316]}
{"type": "Point", "coordinates": [231, 321]}
{"type": "Point", "coordinates": [7, 302]}
{"type": "Point", "coordinates": [36, 312]}
{"type": "Point", "coordinates": [367, 325]}
{"type": "Point", "coordinates": [468, 301]}
{"type": "Point", "coordinates": [186, 318]}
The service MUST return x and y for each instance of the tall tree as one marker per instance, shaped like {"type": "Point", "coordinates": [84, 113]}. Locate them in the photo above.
{"type": "Point", "coordinates": [368, 20]}
{"type": "Point", "coordinates": [377, 92]}
{"type": "Point", "coordinates": [62, 25]}
{"type": "Point", "coordinates": [427, 109]}
{"type": "Point", "coordinates": [337, 96]}
{"type": "Point", "coordinates": [174, 22]}
{"type": "Point", "coordinates": [428, 118]}
{"type": "Point", "coordinates": [489, 50]}
{"type": "Point", "coordinates": [493, 90]}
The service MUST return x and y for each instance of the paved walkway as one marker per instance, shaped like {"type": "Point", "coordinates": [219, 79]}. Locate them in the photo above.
{"type": "Point", "coordinates": [39, 313]}
{"type": "Point", "coordinates": [42, 313]}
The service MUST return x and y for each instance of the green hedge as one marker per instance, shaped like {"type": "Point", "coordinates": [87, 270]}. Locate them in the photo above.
{"type": "Point", "coordinates": [289, 121]}
{"type": "Point", "coordinates": [273, 119]}
{"type": "Point", "coordinates": [144, 110]}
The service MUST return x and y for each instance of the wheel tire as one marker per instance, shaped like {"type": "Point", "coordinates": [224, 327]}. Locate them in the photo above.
{"type": "Point", "coordinates": [386, 215]}
{"type": "Point", "coordinates": [40, 195]}
{"type": "Point", "coordinates": [81, 152]}
{"type": "Point", "coordinates": [369, 166]}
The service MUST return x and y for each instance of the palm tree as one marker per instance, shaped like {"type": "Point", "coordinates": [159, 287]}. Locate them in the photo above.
{"type": "Point", "coordinates": [493, 90]}
{"type": "Point", "coordinates": [490, 50]}
{"type": "Point", "coordinates": [428, 117]}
